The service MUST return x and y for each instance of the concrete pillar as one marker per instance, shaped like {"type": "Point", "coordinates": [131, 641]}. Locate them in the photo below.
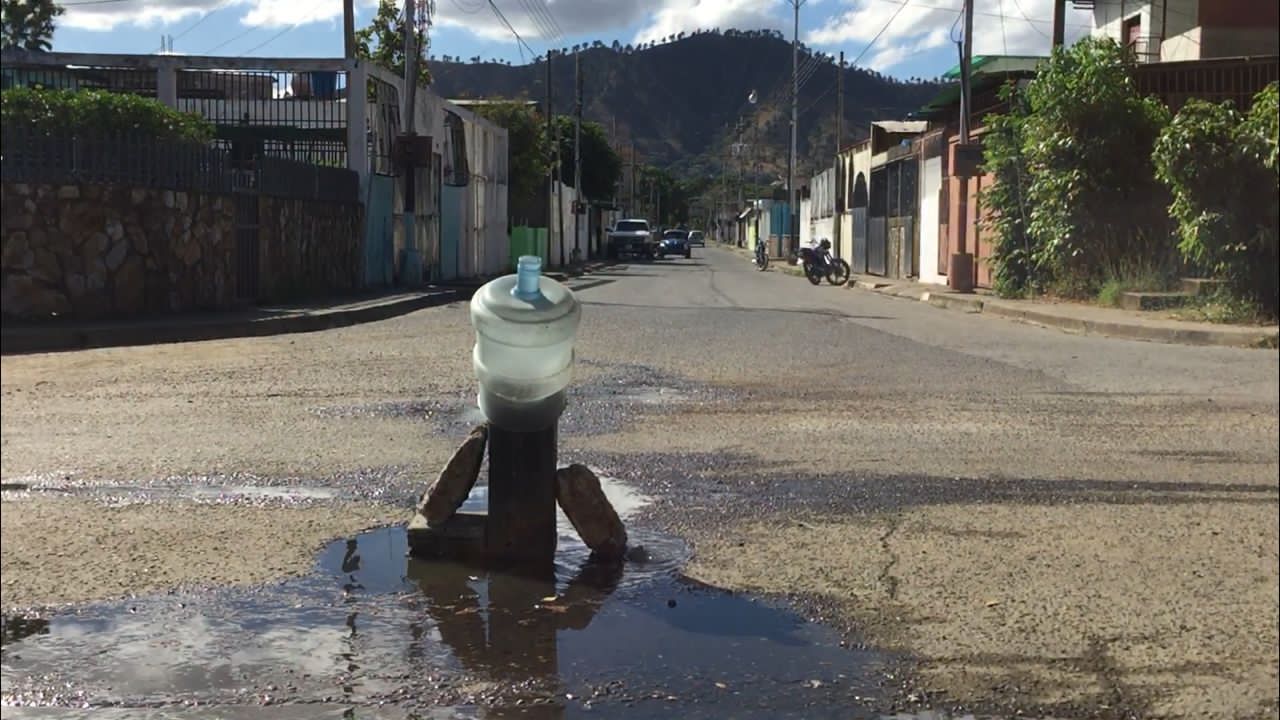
{"type": "Point", "coordinates": [167, 85]}
{"type": "Point", "coordinates": [358, 119]}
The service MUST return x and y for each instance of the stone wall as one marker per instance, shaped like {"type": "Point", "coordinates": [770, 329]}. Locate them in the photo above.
{"type": "Point", "coordinates": [102, 251]}
{"type": "Point", "coordinates": [308, 248]}
{"type": "Point", "coordinates": [94, 251]}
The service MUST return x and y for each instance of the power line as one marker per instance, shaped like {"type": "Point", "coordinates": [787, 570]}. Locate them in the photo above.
{"type": "Point", "coordinates": [519, 40]}
{"type": "Point", "coordinates": [864, 50]}
{"type": "Point", "coordinates": [545, 10]}
{"type": "Point", "coordinates": [270, 40]}
{"type": "Point", "coordinates": [230, 40]}
{"type": "Point", "coordinates": [544, 29]}
{"type": "Point", "coordinates": [1030, 22]}
{"type": "Point", "coordinates": [197, 23]}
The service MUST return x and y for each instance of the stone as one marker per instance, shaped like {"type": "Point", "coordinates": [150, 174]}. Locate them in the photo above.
{"type": "Point", "coordinates": [583, 501]}
{"type": "Point", "coordinates": [130, 286]}
{"type": "Point", "coordinates": [15, 249]}
{"type": "Point", "coordinates": [191, 253]}
{"type": "Point", "coordinates": [137, 196]}
{"type": "Point", "coordinates": [69, 192]}
{"type": "Point", "coordinates": [96, 278]}
{"type": "Point", "coordinates": [46, 266]}
{"type": "Point", "coordinates": [115, 230]}
{"type": "Point", "coordinates": [454, 484]}
{"type": "Point", "coordinates": [22, 189]}
{"type": "Point", "coordinates": [180, 200]}
{"type": "Point", "coordinates": [75, 284]}
{"type": "Point", "coordinates": [29, 205]}
{"type": "Point", "coordinates": [169, 199]}
{"type": "Point", "coordinates": [117, 255]}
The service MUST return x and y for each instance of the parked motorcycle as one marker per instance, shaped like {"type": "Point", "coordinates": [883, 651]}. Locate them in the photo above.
{"type": "Point", "coordinates": [762, 255]}
{"type": "Point", "coordinates": [819, 263]}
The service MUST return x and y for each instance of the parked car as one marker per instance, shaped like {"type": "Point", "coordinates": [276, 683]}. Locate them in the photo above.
{"type": "Point", "coordinates": [632, 237]}
{"type": "Point", "coordinates": [675, 242]}
{"type": "Point", "coordinates": [697, 238]}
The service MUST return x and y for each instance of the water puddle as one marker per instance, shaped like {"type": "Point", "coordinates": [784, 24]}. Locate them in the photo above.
{"type": "Point", "coordinates": [374, 634]}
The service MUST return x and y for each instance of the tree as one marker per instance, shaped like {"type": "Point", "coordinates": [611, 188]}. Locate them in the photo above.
{"type": "Point", "coordinates": [1221, 167]}
{"type": "Point", "coordinates": [528, 157]}
{"type": "Point", "coordinates": [382, 42]}
{"type": "Point", "coordinates": [28, 24]}
{"type": "Point", "coordinates": [601, 165]}
{"type": "Point", "coordinates": [1095, 205]}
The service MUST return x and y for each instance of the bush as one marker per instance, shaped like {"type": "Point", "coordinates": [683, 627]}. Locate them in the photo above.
{"type": "Point", "coordinates": [1221, 168]}
{"type": "Point", "coordinates": [97, 112]}
{"type": "Point", "coordinates": [1014, 271]}
{"type": "Point", "coordinates": [1093, 199]}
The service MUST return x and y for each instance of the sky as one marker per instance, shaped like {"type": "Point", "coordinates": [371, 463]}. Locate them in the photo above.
{"type": "Point", "coordinates": [903, 38]}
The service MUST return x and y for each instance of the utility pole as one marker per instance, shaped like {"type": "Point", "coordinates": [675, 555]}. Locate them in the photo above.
{"type": "Point", "coordinates": [577, 156]}
{"type": "Point", "coordinates": [960, 272]}
{"type": "Point", "coordinates": [631, 194]}
{"type": "Point", "coordinates": [550, 167]}
{"type": "Point", "coordinates": [1060, 21]}
{"type": "Point", "coordinates": [349, 28]}
{"type": "Point", "coordinates": [793, 197]}
{"type": "Point", "coordinates": [410, 168]}
{"type": "Point", "coordinates": [837, 210]}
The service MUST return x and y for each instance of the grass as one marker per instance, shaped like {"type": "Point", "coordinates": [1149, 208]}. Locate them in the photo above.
{"type": "Point", "coordinates": [1225, 308]}
{"type": "Point", "coordinates": [1134, 276]}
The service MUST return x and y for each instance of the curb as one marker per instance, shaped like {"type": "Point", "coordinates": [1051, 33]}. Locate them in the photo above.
{"type": "Point", "coordinates": [1223, 337]}
{"type": "Point", "coordinates": [37, 340]}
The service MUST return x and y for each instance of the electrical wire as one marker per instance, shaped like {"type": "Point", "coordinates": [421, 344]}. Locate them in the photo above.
{"type": "Point", "coordinates": [1030, 22]}
{"type": "Point", "coordinates": [230, 40]}
{"type": "Point", "coordinates": [519, 40]}
{"type": "Point", "coordinates": [271, 39]}
{"type": "Point", "coordinates": [197, 23]}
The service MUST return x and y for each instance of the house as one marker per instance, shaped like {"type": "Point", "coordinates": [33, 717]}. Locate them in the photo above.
{"type": "Point", "coordinates": [948, 197]}
{"type": "Point", "coordinates": [300, 109]}
{"type": "Point", "coordinates": [1180, 30]}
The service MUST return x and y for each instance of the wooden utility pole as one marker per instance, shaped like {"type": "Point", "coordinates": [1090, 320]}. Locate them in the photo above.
{"type": "Point", "coordinates": [349, 28]}
{"type": "Point", "coordinates": [1060, 21]}
{"type": "Point", "coordinates": [551, 196]}
{"type": "Point", "coordinates": [838, 209]}
{"type": "Point", "coordinates": [960, 270]}
{"type": "Point", "coordinates": [577, 156]}
{"type": "Point", "coordinates": [410, 168]}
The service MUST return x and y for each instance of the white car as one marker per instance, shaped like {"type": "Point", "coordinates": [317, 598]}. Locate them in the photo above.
{"type": "Point", "coordinates": [697, 238]}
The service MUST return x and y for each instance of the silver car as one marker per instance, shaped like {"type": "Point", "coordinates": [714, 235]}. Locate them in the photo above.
{"type": "Point", "coordinates": [697, 238]}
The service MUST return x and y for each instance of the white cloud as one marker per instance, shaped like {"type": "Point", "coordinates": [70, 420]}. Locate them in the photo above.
{"type": "Point", "coordinates": [1000, 27]}
{"type": "Point", "coordinates": [107, 16]}
{"type": "Point", "coordinates": [676, 16]}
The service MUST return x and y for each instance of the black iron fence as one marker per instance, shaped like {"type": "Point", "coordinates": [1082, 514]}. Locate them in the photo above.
{"type": "Point", "coordinates": [28, 155]}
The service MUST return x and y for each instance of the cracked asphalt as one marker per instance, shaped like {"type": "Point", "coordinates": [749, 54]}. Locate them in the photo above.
{"type": "Point", "coordinates": [1037, 522]}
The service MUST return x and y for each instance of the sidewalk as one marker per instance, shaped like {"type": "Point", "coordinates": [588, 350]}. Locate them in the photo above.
{"type": "Point", "coordinates": [55, 337]}
{"type": "Point", "coordinates": [1077, 318]}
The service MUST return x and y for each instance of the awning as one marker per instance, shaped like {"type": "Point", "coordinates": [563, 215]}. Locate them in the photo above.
{"type": "Point", "coordinates": [988, 71]}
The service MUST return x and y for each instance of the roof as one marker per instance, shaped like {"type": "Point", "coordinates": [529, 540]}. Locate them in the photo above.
{"type": "Point", "coordinates": [988, 71]}
{"type": "Point", "coordinates": [999, 64]}
{"type": "Point", "coordinates": [901, 126]}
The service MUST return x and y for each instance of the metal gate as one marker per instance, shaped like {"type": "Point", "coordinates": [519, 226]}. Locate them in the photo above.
{"type": "Point", "coordinates": [859, 219]}
{"type": "Point", "coordinates": [877, 245]}
{"type": "Point", "coordinates": [247, 244]}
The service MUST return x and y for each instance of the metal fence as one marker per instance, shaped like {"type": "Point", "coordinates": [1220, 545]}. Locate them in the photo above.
{"type": "Point", "coordinates": [281, 112]}
{"type": "Point", "coordinates": [30, 156]}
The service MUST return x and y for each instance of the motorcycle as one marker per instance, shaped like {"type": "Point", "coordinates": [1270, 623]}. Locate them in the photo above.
{"type": "Point", "coordinates": [819, 263]}
{"type": "Point", "coordinates": [762, 256]}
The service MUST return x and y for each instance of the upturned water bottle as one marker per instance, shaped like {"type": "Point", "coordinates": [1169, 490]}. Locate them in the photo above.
{"type": "Point", "coordinates": [525, 328]}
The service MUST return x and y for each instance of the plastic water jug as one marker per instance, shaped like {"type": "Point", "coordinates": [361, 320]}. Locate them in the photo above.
{"type": "Point", "coordinates": [525, 327]}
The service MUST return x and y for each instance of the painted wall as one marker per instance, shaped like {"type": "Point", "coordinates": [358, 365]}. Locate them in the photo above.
{"type": "Point", "coordinates": [930, 189]}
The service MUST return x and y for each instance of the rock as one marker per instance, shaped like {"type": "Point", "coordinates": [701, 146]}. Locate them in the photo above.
{"type": "Point", "coordinates": [69, 192]}
{"type": "Point", "coordinates": [117, 255]}
{"type": "Point", "coordinates": [583, 501]}
{"type": "Point", "coordinates": [169, 199]}
{"type": "Point", "coordinates": [454, 484]}
{"type": "Point", "coordinates": [15, 249]}
{"type": "Point", "coordinates": [130, 286]}
{"type": "Point", "coordinates": [180, 200]}
{"type": "Point", "coordinates": [115, 230]}
{"type": "Point", "coordinates": [46, 266]}
{"type": "Point", "coordinates": [137, 196]}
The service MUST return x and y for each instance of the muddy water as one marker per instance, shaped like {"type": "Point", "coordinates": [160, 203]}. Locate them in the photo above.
{"type": "Point", "coordinates": [374, 634]}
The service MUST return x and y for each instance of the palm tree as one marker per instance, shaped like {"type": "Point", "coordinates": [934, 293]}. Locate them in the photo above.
{"type": "Point", "coordinates": [28, 24]}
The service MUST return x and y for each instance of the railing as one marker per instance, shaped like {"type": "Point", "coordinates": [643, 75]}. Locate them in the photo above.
{"type": "Point", "coordinates": [30, 156]}
{"type": "Point", "coordinates": [1144, 49]}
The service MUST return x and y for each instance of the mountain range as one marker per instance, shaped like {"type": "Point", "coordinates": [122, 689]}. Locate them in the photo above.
{"type": "Point", "coordinates": [686, 105]}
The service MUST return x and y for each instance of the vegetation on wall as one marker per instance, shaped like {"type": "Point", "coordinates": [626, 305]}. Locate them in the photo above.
{"type": "Point", "coordinates": [98, 112]}
{"type": "Point", "coordinates": [1221, 167]}
{"type": "Point", "coordinates": [1085, 200]}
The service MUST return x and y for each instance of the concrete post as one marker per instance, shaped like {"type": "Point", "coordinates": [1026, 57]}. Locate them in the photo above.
{"type": "Point", "coordinates": [358, 119]}
{"type": "Point", "coordinates": [167, 85]}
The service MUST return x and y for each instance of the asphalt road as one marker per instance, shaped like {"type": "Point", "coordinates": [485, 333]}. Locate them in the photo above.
{"type": "Point", "coordinates": [1070, 525]}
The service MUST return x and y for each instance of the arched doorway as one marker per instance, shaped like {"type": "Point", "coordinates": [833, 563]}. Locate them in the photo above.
{"type": "Point", "coordinates": [858, 217]}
